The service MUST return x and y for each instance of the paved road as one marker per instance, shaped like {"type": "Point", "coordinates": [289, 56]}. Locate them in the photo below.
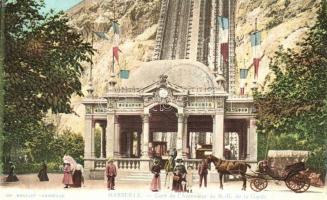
{"type": "Point", "coordinates": [30, 188]}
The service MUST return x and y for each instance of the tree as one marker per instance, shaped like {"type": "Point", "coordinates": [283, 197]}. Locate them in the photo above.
{"type": "Point", "coordinates": [293, 112]}
{"type": "Point", "coordinates": [69, 143]}
{"type": "Point", "coordinates": [42, 68]}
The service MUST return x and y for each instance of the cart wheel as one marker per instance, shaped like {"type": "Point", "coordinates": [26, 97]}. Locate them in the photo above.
{"type": "Point", "coordinates": [298, 183]}
{"type": "Point", "coordinates": [258, 184]}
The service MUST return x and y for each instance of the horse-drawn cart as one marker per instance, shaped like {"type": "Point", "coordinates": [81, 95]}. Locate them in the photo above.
{"type": "Point", "coordinates": [287, 166]}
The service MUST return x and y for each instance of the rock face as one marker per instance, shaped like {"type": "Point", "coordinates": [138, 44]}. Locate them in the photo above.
{"type": "Point", "coordinates": [282, 22]}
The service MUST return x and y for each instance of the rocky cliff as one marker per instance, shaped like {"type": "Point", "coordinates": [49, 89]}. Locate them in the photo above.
{"type": "Point", "coordinates": [282, 22]}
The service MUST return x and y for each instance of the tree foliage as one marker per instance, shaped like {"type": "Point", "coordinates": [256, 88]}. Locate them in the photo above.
{"type": "Point", "coordinates": [293, 112]}
{"type": "Point", "coordinates": [42, 68]}
{"type": "Point", "coordinates": [47, 145]}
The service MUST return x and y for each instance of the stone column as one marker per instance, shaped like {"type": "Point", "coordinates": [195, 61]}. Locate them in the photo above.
{"type": "Point", "coordinates": [117, 138]}
{"type": "Point", "coordinates": [218, 136]}
{"type": "Point", "coordinates": [252, 142]}
{"type": "Point", "coordinates": [145, 134]}
{"type": "Point", "coordinates": [110, 135]}
{"type": "Point", "coordinates": [185, 136]}
{"type": "Point", "coordinates": [88, 164]}
{"type": "Point", "coordinates": [92, 140]}
{"type": "Point", "coordinates": [179, 143]}
{"type": "Point", "coordinates": [103, 129]}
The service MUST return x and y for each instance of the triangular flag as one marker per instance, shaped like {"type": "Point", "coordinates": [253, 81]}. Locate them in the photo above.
{"type": "Point", "coordinates": [115, 51]}
{"type": "Point", "coordinates": [115, 27]}
{"type": "Point", "coordinates": [223, 22]}
{"type": "Point", "coordinates": [224, 51]}
{"type": "Point", "coordinates": [243, 73]}
{"type": "Point", "coordinates": [256, 38]}
{"type": "Point", "coordinates": [256, 62]}
{"type": "Point", "coordinates": [124, 74]}
{"type": "Point", "coordinates": [102, 35]}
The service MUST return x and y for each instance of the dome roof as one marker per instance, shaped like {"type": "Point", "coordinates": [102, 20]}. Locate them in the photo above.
{"type": "Point", "coordinates": [184, 73]}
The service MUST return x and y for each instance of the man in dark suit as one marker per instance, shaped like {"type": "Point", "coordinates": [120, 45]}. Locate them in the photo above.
{"type": "Point", "coordinates": [203, 172]}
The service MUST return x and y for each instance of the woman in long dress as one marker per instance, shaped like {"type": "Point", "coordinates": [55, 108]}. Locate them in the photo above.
{"type": "Point", "coordinates": [12, 176]}
{"type": "Point", "coordinates": [179, 179]}
{"type": "Point", "coordinates": [155, 183]}
{"type": "Point", "coordinates": [68, 179]}
{"type": "Point", "coordinates": [43, 176]}
{"type": "Point", "coordinates": [78, 178]}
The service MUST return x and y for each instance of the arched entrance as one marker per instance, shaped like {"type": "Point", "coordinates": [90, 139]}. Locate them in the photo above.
{"type": "Point", "coordinates": [163, 130]}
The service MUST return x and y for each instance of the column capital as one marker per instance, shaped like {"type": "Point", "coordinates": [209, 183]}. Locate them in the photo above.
{"type": "Point", "coordinates": [116, 119]}
{"type": "Point", "coordinates": [180, 117]}
{"type": "Point", "coordinates": [145, 118]}
{"type": "Point", "coordinates": [252, 121]}
{"type": "Point", "coordinates": [185, 118]}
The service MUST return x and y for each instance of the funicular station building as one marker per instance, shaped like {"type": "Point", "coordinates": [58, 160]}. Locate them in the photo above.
{"type": "Point", "coordinates": [184, 98]}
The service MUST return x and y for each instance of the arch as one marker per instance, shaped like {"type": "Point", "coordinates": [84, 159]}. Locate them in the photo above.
{"type": "Point", "coordinates": [179, 109]}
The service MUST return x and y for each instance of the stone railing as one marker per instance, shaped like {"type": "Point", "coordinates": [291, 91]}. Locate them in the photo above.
{"type": "Point", "coordinates": [192, 162]}
{"type": "Point", "coordinates": [144, 164]}
{"type": "Point", "coordinates": [123, 163]}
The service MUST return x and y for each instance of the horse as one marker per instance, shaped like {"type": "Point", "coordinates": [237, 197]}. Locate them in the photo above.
{"type": "Point", "coordinates": [229, 167]}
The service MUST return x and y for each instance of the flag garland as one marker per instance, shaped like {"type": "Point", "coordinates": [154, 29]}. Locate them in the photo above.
{"type": "Point", "coordinates": [223, 24]}
{"type": "Point", "coordinates": [243, 76]}
{"type": "Point", "coordinates": [255, 38]}
{"type": "Point", "coordinates": [116, 41]}
{"type": "Point", "coordinates": [102, 35]}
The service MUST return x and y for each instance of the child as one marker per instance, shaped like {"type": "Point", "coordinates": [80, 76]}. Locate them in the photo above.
{"type": "Point", "coordinates": [68, 179]}
{"type": "Point", "coordinates": [111, 173]}
{"type": "Point", "coordinates": [189, 179]}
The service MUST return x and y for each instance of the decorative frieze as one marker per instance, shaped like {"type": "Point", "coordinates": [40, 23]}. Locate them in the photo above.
{"type": "Point", "coordinates": [98, 108]}
{"type": "Point", "coordinates": [239, 108]}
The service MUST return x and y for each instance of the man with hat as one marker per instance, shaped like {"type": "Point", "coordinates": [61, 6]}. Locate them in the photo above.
{"type": "Point", "coordinates": [155, 169]}
{"type": "Point", "coordinates": [179, 180]}
{"type": "Point", "coordinates": [111, 173]}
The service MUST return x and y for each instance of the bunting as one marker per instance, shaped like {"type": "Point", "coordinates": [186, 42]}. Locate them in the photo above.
{"type": "Point", "coordinates": [124, 74]}
{"type": "Point", "coordinates": [224, 51]}
{"type": "Point", "coordinates": [102, 35]}
{"type": "Point", "coordinates": [255, 38]}
{"type": "Point", "coordinates": [115, 51]}
{"type": "Point", "coordinates": [256, 62]}
{"type": "Point", "coordinates": [243, 73]}
{"type": "Point", "coordinates": [116, 41]}
{"type": "Point", "coordinates": [223, 24]}
{"type": "Point", "coordinates": [115, 27]}
{"type": "Point", "coordinates": [242, 86]}
{"type": "Point", "coordinates": [243, 76]}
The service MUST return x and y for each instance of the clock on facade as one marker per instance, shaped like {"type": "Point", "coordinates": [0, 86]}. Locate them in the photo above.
{"type": "Point", "coordinates": [163, 93]}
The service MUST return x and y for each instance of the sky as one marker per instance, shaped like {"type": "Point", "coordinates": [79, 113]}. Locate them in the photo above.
{"type": "Point", "coordinates": [58, 5]}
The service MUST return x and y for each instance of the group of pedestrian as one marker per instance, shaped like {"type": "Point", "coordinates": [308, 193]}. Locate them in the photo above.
{"type": "Point", "coordinates": [178, 178]}
{"type": "Point", "coordinates": [73, 173]}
